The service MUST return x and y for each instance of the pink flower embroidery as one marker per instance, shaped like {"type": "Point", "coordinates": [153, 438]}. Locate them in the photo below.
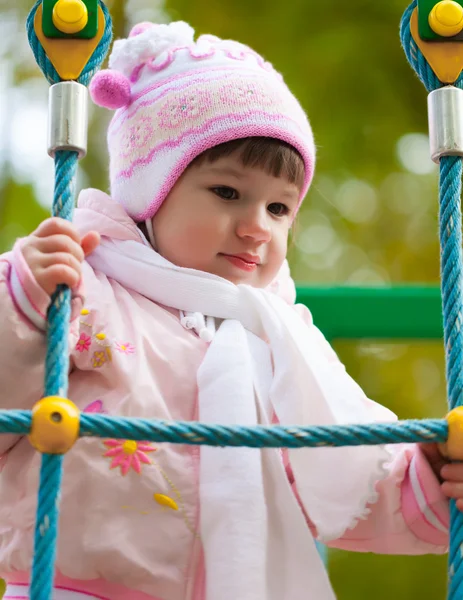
{"type": "Point", "coordinates": [99, 359]}
{"type": "Point", "coordinates": [184, 108]}
{"type": "Point", "coordinates": [83, 343]}
{"type": "Point", "coordinates": [128, 454]}
{"type": "Point", "coordinates": [124, 348]}
{"type": "Point", "coordinates": [137, 136]}
{"type": "Point", "coordinates": [245, 93]}
{"type": "Point", "coordinates": [95, 407]}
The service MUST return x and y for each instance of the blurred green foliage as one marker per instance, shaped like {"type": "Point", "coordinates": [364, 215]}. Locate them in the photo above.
{"type": "Point", "coordinates": [370, 217]}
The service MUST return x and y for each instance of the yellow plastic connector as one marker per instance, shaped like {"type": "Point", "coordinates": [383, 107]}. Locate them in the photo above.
{"type": "Point", "coordinates": [70, 16]}
{"type": "Point", "coordinates": [55, 425]}
{"type": "Point", "coordinates": [453, 447]}
{"type": "Point", "coordinates": [446, 18]}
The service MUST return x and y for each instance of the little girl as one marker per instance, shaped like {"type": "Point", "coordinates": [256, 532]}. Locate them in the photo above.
{"type": "Point", "coordinates": [183, 308]}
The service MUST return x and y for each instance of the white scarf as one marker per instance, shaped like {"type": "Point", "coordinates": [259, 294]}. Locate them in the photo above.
{"type": "Point", "coordinates": [256, 541]}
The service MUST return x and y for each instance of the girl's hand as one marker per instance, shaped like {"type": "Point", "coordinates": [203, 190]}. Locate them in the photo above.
{"type": "Point", "coordinates": [54, 253]}
{"type": "Point", "coordinates": [449, 474]}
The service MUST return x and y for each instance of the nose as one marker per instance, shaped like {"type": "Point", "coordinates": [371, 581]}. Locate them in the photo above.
{"type": "Point", "coordinates": [255, 225]}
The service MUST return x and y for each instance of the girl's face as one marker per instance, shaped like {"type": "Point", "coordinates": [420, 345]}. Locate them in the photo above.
{"type": "Point", "coordinates": [229, 220]}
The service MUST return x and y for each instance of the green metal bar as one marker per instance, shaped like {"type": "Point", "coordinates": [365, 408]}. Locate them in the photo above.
{"type": "Point", "coordinates": [396, 312]}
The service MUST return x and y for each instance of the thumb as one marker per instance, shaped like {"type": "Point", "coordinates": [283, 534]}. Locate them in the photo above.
{"type": "Point", "coordinates": [90, 241]}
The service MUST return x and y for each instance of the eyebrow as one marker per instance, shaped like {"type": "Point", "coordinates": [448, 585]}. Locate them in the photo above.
{"type": "Point", "coordinates": [227, 171]}
{"type": "Point", "coordinates": [291, 194]}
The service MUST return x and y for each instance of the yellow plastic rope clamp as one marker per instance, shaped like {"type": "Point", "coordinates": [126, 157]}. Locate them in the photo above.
{"type": "Point", "coordinates": [453, 448]}
{"type": "Point", "coordinates": [446, 18]}
{"type": "Point", "coordinates": [445, 59]}
{"type": "Point", "coordinates": [55, 425]}
{"type": "Point", "coordinates": [68, 56]}
{"type": "Point", "coordinates": [70, 16]}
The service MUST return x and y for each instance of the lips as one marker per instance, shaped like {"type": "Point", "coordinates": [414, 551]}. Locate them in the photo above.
{"type": "Point", "coordinates": [245, 262]}
{"type": "Point", "coordinates": [248, 258]}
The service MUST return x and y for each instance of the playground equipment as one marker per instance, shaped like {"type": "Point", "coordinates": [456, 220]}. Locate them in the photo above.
{"type": "Point", "coordinates": [70, 39]}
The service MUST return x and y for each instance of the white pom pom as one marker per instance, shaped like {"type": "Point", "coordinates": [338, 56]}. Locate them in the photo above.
{"type": "Point", "coordinates": [206, 335]}
{"type": "Point", "coordinates": [129, 53]}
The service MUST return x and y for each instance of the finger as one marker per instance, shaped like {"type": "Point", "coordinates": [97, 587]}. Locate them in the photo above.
{"type": "Point", "coordinates": [61, 258]}
{"type": "Point", "coordinates": [90, 241]}
{"type": "Point", "coordinates": [452, 489]}
{"type": "Point", "coordinates": [56, 225]}
{"type": "Point", "coordinates": [459, 504]}
{"type": "Point", "coordinates": [56, 275]}
{"type": "Point", "coordinates": [452, 472]}
{"type": "Point", "coordinates": [60, 243]}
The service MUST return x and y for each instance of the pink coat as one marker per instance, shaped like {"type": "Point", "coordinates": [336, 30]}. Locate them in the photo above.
{"type": "Point", "coordinates": [129, 513]}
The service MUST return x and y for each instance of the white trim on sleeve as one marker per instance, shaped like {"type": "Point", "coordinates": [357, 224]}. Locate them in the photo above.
{"type": "Point", "coordinates": [24, 303]}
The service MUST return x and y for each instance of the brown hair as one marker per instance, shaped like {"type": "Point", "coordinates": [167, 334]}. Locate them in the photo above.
{"type": "Point", "coordinates": [275, 157]}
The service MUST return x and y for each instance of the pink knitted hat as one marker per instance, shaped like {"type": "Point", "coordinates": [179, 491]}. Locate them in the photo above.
{"type": "Point", "coordinates": [176, 98]}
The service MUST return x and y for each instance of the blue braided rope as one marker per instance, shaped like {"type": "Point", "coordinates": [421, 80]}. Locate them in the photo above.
{"type": "Point", "coordinates": [59, 313]}
{"type": "Point", "coordinates": [263, 437]}
{"type": "Point", "coordinates": [18, 422]}
{"type": "Point", "coordinates": [452, 303]}
{"type": "Point", "coordinates": [274, 436]}
{"type": "Point", "coordinates": [57, 358]}
{"type": "Point", "coordinates": [46, 527]}
{"type": "Point", "coordinates": [56, 384]}
{"type": "Point", "coordinates": [452, 271]}
{"type": "Point", "coordinates": [451, 283]}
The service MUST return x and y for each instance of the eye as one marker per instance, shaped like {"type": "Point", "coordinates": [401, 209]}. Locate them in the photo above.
{"type": "Point", "coordinates": [225, 192]}
{"type": "Point", "coordinates": [278, 209]}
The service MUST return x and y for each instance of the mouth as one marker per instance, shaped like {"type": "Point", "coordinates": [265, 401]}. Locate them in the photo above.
{"type": "Point", "coordinates": [245, 262]}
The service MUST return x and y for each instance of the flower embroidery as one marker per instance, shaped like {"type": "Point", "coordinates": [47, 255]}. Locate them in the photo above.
{"type": "Point", "coordinates": [83, 343]}
{"type": "Point", "coordinates": [95, 407]}
{"type": "Point", "coordinates": [185, 107]}
{"type": "Point", "coordinates": [125, 348]}
{"type": "Point", "coordinates": [128, 454]}
{"type": "Point", "coordinates": [137, 136]}
{"type": "Point", "coordinates": [99, 359]}
{"type": "Point", "coordinates": [245, 93]}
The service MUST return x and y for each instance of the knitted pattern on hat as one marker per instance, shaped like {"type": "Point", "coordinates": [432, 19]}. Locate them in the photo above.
{"type": "Point", "coordinates": [177, 97]}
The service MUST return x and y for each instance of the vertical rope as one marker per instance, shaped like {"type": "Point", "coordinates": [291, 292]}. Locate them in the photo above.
{"type": "Point", "coordinates": [58, 317]}
{"type": "Point", "coordinates": [56, 384]}
{"type": "Point", "coordinates": [59, 313]}
{"type": "Point", "coordinates": [452, 303]}
{"type": "Point", "coordinates": [451, 283]}
{"type": "Point", "coordinates": [46, 527]}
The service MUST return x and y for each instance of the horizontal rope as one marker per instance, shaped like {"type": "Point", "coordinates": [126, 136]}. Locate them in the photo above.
{"type": "Point", "coordinates": [15, 421]}
{"type": "Point", "coordinates": [273, 436]}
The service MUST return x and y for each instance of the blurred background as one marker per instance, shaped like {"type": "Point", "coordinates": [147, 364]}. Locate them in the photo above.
{"type": "Point", "coordinates": [369, 219]}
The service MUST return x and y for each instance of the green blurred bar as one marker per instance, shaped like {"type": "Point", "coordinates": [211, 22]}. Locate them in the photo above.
{"type": "Point", "coordinates": [397, 312]}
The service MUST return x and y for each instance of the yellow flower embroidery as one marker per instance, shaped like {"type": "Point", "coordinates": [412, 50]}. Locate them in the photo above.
{"type": "Point", "coordinates": [99, 359]}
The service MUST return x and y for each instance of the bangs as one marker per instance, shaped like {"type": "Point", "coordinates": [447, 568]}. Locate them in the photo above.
{"type": "Point", "coordinates": [273, 156]}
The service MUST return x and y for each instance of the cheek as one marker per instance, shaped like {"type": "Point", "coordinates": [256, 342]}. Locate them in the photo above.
{"type": "Point", "coordinates": [280, 246]}
{"type": "Point", "coordinates": [188, 240]}
{"type": "Point", "coordinates": [276, 255]}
